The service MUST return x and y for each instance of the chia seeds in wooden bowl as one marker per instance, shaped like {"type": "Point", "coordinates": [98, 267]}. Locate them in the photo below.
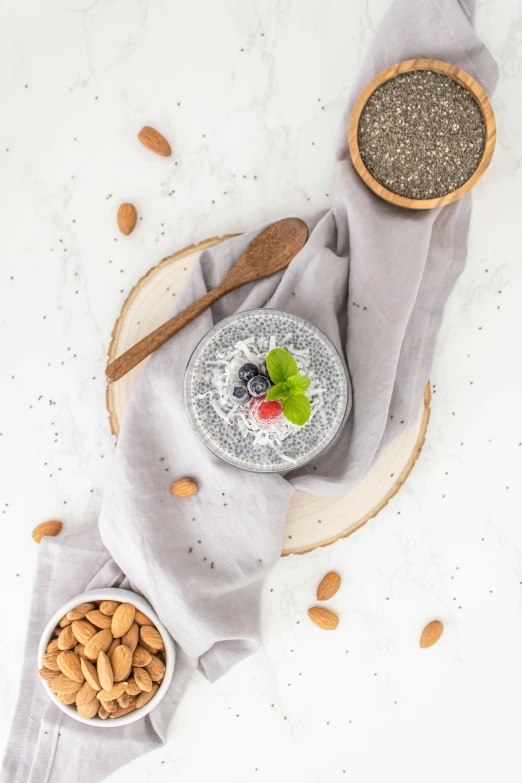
{"type": "Point", "coordinates": [228, 429]}
{"type": "Point", "coordinates": [422, 134]}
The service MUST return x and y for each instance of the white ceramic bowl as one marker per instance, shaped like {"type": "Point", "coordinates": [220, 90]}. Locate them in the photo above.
{"type": "Point", "coordinates": [124, 596]}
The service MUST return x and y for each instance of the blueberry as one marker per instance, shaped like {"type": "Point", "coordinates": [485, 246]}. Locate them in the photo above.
{"type": "Point", "coordinates": [247, 371]}
{"type": "Point", "coordinates": [263, 371]}
{"type": "Point", "coordinates": [239, 393]}
{"type": "Point", "coordinates": [258, 385]}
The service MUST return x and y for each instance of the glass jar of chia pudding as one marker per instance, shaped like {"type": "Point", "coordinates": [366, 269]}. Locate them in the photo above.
{"type": "Point", "coordinates": [227, 391]}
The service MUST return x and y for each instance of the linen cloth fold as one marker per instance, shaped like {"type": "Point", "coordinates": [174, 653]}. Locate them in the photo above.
{"type": "Point", "coordinates": [375, 279]}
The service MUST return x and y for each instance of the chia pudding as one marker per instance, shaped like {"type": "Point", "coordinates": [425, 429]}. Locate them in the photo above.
{"type": "Point", "coordinates": [251, 419]}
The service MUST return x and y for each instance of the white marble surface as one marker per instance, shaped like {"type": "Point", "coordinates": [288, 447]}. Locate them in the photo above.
{"type": "Point", "coordinates": [250, 95]}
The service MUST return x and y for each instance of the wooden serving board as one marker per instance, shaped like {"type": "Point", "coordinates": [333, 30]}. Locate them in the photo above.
{"type": "Point", "coordinates": [312, 521]}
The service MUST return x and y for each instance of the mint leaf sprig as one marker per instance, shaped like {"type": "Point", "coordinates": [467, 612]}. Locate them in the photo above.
{"type": "Point", "coordinates": [288, 386]}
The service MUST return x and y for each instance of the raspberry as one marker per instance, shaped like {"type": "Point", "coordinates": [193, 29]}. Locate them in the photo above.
{"type": "Point", "coordinates": [270, 409]}
{"type": "Point", "coordinates": [265, 411]}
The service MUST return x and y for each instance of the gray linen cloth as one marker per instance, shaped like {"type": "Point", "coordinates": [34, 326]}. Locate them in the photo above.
{"type": "Point", "coordinates": [374, 278]}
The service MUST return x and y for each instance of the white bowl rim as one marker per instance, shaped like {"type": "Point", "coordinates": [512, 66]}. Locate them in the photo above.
{"type": "Point", "coordinates": [141, 603]}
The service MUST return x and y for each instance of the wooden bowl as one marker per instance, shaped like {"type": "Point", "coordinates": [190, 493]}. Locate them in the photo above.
{"type": "Point", "coordinates": [469, 84]}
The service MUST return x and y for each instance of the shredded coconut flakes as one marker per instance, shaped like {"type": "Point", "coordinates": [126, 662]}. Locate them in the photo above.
{"type": "Point", "coordinates": [225, 373]}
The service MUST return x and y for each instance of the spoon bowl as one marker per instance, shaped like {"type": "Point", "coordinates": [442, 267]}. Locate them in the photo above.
{"type": "Point", "coordinates": [270, 252]}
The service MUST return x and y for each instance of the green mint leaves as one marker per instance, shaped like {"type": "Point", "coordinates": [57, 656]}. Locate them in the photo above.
{"type": "Point", "coordinates": [298, 383]}
{"type": "Point", "coordinates": [297, 409]}
{"type": "Point", "coordinates": [280, 365]}
{"type": "Point", "coordinates": [288, 386]}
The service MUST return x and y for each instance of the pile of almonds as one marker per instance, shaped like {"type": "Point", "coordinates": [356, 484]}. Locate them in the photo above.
{"type": "Point", "coordinates": [106, 658]}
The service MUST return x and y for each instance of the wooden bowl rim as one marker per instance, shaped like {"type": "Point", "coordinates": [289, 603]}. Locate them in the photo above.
{"type": "Point", "coordinates": [461, 77]}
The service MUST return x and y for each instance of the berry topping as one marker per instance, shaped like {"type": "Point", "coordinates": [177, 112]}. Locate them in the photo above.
{"type": "Point", "coordinates": [258, 385]}
{"type": "Point", "coordinates": [239, 393]}
{"type": "Point", "coordinates": [247, 371]}
{"type": "Point", "coordinates": [265, 411]}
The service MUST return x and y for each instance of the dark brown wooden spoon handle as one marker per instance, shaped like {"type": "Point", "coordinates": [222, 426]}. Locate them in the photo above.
{"type": "Point", "coordinates": [128, 360]}
{"type": "Point", "coordinates": [270, 252]}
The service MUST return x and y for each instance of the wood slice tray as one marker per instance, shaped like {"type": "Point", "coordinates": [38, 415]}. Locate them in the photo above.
{"type": "Point", "coordinates": [312, 521]}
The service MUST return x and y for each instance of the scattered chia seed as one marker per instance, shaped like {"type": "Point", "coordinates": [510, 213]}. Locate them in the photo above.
{"type": "Point", "coordinates": [421, 135]}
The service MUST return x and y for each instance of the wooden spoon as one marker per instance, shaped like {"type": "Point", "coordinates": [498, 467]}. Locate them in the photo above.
{"type": "Point", "coordinates": [271, 251]}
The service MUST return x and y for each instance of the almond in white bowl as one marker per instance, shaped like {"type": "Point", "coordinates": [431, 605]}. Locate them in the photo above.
{"type": "Point", "coordinates": [96, 677]}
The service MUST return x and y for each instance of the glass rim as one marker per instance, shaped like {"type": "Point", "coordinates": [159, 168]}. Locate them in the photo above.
{"type": "Point", "coordinates": [239, 463]}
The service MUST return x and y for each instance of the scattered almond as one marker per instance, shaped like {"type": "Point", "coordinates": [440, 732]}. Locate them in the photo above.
{"type": "Point", "coordinates": [102, 713]}
{"type": "Point", "coordinates": [83, 630]}
{"type": "Point", "coordinates": [184, 488]}
{"type": "Point", "coordinates": [130, 639]}
{"type": "Point", "coordinates": [51, 528]}
{"type": "Point", "coordinates": [90, 673]}
{"type": "Point", "coordinates": [109, 607]}
{"type": "Point", "coordinates": [52, 646]}
{"type": "Point", "coordinates": [63, 622]}
{"type": "Point", "coordinates": [143, 679]}
{"type": "Point", "coordinates": [122, 619]}
{"type": "Point", "coordinates": [323, 618]}
{"type": "Point", "coordinates": [100, 641]}
{"type": "Point", "coordinates": [127, 218]}
{"type": "Point", "coordinates": [70, 665]}
{"type": "Point", "coordinates": [431, 634]}
{"type": "Point", "coordinates": [80, 650]}
{"type": "Point", "coordinates": [99, 619]}
{"type": "Point", "coordinates": [154, 141]}
{"type": "Point", "coordinates": [104, 670]}
{"type": "Point", "coordinates": [328, 586]}
{"type": "Point", "coordinates": [145, 697]}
